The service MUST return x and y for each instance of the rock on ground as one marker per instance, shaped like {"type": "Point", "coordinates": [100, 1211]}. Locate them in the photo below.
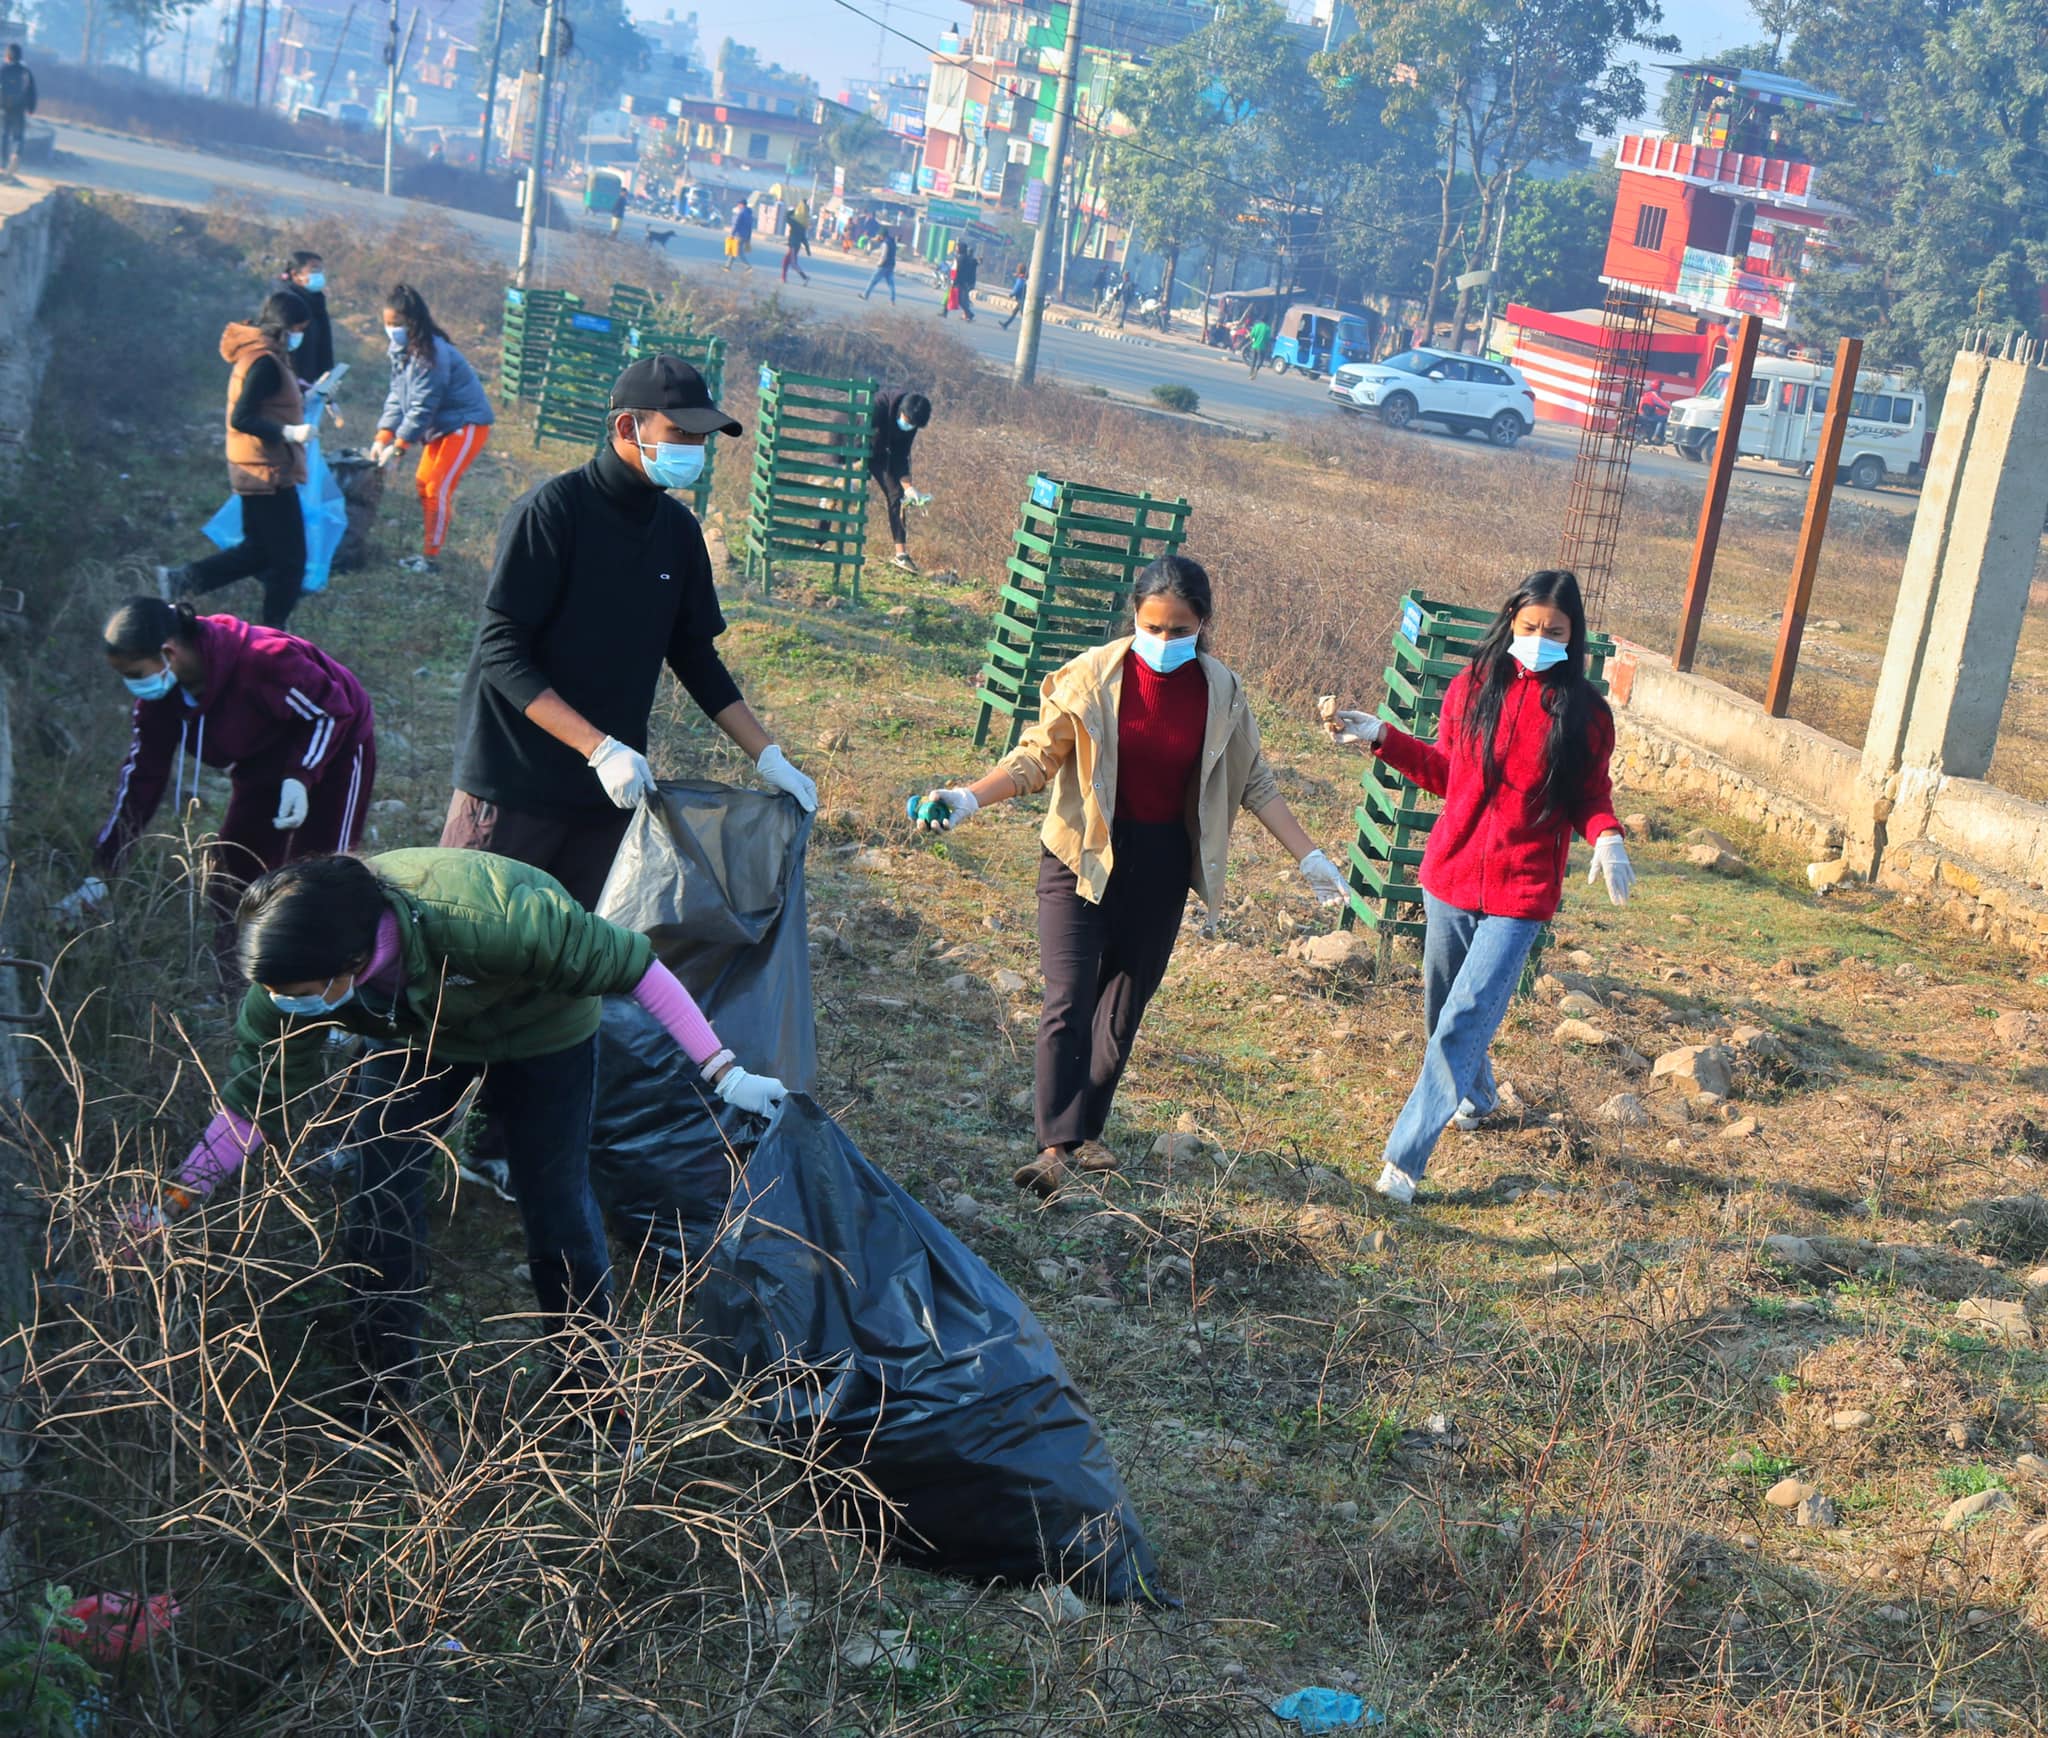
{"type": "Point", "coordinates": [1964, 1510]}
{"type": "Point", "coordinates": [1789, 1493]}
{"type": "Point", "coordinates": [1697, 1068]}
{"type": "Point", "coordinates": [1996, 1318]}
{"type": "Point", "coordinates": [1623, 1110]}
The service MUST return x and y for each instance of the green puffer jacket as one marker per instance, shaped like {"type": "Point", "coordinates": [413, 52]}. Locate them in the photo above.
{"type": "Point", "coordinates": [499, 964]}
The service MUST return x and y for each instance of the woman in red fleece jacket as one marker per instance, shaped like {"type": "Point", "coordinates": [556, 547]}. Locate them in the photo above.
{"type": "Point", "coordinates": [291, 727]}
{"type": "Point", "coordinates": [1521, 763]}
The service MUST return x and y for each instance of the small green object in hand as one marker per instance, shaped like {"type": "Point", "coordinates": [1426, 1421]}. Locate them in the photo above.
{"type": "Point", "coordinates": [929, 812]}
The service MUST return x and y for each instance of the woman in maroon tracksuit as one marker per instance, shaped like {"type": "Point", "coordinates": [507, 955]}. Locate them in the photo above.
{"type": "Point", "coordinates": [291, 727]}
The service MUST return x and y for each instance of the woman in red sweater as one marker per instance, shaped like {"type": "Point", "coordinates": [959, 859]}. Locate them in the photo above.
{"type": "Point", "coordinates": [1521, 763]}
{"type": "Point", "coordinates": [1150, 748]}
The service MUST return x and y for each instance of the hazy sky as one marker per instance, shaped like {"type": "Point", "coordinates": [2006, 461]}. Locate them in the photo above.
{"type": "Point", "coordinates": [832, 44]}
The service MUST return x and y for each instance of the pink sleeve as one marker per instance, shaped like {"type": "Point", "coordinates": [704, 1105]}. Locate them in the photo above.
{"type": "Point", "coordinates": [663, 996]}
{"type": "Point", "coordinates": [229, 1140]}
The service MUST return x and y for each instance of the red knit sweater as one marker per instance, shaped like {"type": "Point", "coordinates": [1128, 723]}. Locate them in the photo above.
{"type": "Point", "coordinates": [1502, 858]}
{"type": "Point", "coordinates": [1160, 721]}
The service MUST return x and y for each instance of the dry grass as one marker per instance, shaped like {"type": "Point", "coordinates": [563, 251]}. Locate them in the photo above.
{"type": "Point", "coordinates": [1498, 1464]}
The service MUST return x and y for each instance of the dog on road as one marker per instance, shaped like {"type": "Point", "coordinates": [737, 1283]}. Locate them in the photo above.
{"type": "Point", "coordinates": [660, 238]}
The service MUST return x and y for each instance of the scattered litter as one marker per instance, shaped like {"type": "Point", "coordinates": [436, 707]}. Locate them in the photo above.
{"type": "Point", "coordinates": [492, 1174]}
{"type": "Point", "coordinates": [1320, 1710]}
{"type": "Point", "coordinates": [118, 1624]}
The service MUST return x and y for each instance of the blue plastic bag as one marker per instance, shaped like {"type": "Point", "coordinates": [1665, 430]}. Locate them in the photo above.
{"type": "Point", "coordinates": [1320, 1710]}
{"type": "Point", "coordinates": [324, 509]}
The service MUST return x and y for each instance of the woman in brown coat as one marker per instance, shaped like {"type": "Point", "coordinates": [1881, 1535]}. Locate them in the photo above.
{"type": "Point", "coordinates": [267, 433]}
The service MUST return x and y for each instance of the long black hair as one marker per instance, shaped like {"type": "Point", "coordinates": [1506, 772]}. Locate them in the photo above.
{"type": "Point", "coordinates": [413, 313]}
{"type": "Point", "coordinates": [281, 311]}
{"type": "Point", "coordinates": [144, 625]}
{"type": "Point", "coordinates": [1572, 701]}
{"type": "Point", "coordinates": [309, 921]}
{"type": "Point", "coordinates": [1177, 576]}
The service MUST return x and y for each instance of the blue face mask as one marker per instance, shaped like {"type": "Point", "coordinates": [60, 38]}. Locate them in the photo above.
{"type": "Point", "coordinates": [1535, 652]}
{"type": "Point", "coordinates": [1164, 655]}
{"type": "Point", "coordinates": [151, 687]}
{"type": "Point", "coordinates": [293, 340]}
{"type": "Point", "coordinates": [670, 464]}
{"type": "Point", "coordinates": [395, 333]}
{"type": "Point", "coordinates": [310, 1007]}
{"type": "Point", "coordinates": [906, 427]}
{"type": "Point", "coordinates": [316, 282]}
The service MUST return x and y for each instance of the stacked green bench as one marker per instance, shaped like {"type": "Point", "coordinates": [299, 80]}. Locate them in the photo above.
{"type": "Point", "coordinates": [1068, 586]}
{"type": "Point", "coordinates": [808, 500]}
{"type": "Point", "coordinates": [528, 334]}
{"type": "Point", "coordinates": [584, 362]}
{"type": "Point", "coordinates": [705, 352]}
{"type": "Point", "coordinates": [632, 303]}
{"type": "Point", "coordinates": [1432, 644]}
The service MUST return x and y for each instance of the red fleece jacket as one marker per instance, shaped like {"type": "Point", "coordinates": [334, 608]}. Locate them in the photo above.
{"type": "Point", "coordinates": [1502, 858]}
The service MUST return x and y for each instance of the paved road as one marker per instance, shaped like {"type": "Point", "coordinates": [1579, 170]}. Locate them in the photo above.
{"type": "Point", "coordinates": [1128, 366]}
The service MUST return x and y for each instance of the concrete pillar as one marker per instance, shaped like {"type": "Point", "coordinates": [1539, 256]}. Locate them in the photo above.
{"type": "Point", "coordinates": [1948, 663]}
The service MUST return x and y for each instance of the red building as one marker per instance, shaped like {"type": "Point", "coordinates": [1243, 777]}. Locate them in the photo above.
{"type": "Point", "coordinates": [1715, 226]}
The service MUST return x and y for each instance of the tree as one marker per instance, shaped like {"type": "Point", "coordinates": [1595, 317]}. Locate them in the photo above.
{"type": "Point", "coordinates": [1948, 226]}
{"type": "Point", "coordinates": [851, 140]}
{"type": "Point", "coordinates": [1506, 83]}
{"type": "Point", "coordinates": [599, 49]}
{"type": "Point", "coordinates": [1556, 241]}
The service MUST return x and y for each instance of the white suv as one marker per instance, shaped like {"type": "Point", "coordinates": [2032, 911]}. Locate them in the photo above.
{"type": "Point", "coordinates": [1464, 393]}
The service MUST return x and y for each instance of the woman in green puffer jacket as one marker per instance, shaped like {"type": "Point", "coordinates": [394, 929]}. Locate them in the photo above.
{"type": "Point", "coordinates": [465, 965]}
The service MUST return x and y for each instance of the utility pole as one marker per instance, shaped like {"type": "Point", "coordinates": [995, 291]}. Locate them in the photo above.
{"type": "Point", "coordinates": [390, 93]}
{"type": "Point", "coordinates": [483, 150]}
{"type": "Point", "coordinates": [234, 64]}
{"type": "Point", "coordinates": [262, 45]}
{"type": "Point", "coordinates": [1049, 221]}
{"type": "Point", "coordinates": [536, 179]}
{"type": "Point", "coordinates": [334, 59]}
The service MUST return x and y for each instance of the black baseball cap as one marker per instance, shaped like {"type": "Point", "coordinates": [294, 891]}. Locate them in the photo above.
{"type": "Point", "coordinates": [670, 385]}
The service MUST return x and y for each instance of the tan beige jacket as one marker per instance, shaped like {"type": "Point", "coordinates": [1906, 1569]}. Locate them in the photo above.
{"type": "Point", "coordinates": [1072, 747]}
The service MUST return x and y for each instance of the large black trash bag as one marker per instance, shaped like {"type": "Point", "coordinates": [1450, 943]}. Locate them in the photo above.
{"type": "Point", "coordinates": [907, 1357]}
{"type": "Point", "coordinates": [716, 877]}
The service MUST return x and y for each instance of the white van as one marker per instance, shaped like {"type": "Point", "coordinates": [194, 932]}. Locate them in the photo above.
{"type": "Point", "coordinates": [1887, 437]}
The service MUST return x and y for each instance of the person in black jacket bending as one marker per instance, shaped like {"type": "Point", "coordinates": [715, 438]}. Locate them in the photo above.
{"type": "Point", "coordinates": [306, 277]}
{"type": "Point", "coordinates": [601, 576]}
{"type": "Point", "coordinates": [893, 423]}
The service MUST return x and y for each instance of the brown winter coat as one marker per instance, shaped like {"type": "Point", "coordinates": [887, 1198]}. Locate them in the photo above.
{"type": "Point", "coordinates": [259, 467]}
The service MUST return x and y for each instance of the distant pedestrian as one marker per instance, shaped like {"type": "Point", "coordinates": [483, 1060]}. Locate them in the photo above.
{"type": "Point", "coordinates": [893, 424]}
{"type": "Point", "coordinates": [1018, 286]}
{"type": "Point", "coordinates": [793, 248]}
{"type": "Point", "coordinates": [305, 276]}
{"type": "Point", "coordinates": [619, 212]}
{"type": "Point", "coordinates": [267, 433]}
{"type": "Point", "coordinates": [435, 399]}
{"type": "Point", "coordinates": [966, 273]}
{"type": "Point", "coordinates": [885, 267]}
{"type": "Point", "coordinates": [800, 227]}
{"type": "Point", "coordinates": [1255, 343]}
{"type": "Point", "coordinates": [739, 239]}
{"type": "Point", "coordinates": [17, 103]}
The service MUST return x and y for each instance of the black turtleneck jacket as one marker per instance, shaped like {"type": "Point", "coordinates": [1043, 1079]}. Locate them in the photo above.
{"type": "Point", "coordinates": [600, 579]}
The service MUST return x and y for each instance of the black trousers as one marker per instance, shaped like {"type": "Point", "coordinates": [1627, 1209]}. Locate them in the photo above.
{"type": "Point", "coordinates": [543, 1104]}
{"type": "Point", "coordinates": [273, 549]}
{"type": "Point", "coordinates": [1102, 964]}
{"type": "Point", "coordinates": [892, 498]}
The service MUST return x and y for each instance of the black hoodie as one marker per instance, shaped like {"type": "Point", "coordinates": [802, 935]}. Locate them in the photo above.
{"type": "Point", "coordinates": [315, 356]}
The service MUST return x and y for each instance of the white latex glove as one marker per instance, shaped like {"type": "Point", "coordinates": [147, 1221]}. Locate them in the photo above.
{"type": "Point", "coordinates": [961, 805]}
{"type": "Point", "coordinates": [916, 497]}
{"type": "Point", "coordinates": [298, 433]}
{"type": "Point", "coordinates": [774, 766]}
{"type": "Point", "coordinates": [384, 454]}
{"type": "Point", "coordinates": [758, 1094]}
{"type": "Point", "coordinates": [623, 772]}
{"type": "Point", "coordinates": [1610, 858]}
{"type": "Point", "coordinates": [1323, 878]}
{"type": "Point", "coordinates": [75, 907]}
{"type": "Point", "coordinates": [1358, 727]}
{"type": "Point", "coordinates": [291, 806]}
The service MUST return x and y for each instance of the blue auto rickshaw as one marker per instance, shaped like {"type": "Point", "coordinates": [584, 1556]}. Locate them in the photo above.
{"type": "Point", "coordinates": [1320, 340]}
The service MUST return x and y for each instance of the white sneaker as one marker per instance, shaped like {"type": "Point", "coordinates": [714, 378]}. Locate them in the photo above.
{"type": "Point", "coordinates": [1468, 1118]}
{"type": "Point", "coordinates": [1395, 1184]}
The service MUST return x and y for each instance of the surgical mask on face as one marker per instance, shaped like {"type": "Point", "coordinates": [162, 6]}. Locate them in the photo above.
{"type": "Point", "coordinates": [151, 687]}
{"type": "Point", "coordinates": [292, 340]}
{"type": "Point", "coordinates": [906, 427]}
{"type": "Point", "coordinates": [670, 464]}
{"type": "Point", "coordinates": [310, 1007]}
{"type": "Point", "coordinates": [395, 333]}
{"type": "Point", "coordinates": [316, 282]}
{"type": "Point", "coordinates": [1535, 652]}
{"type": "Point", "coordinates": [1162, 654]}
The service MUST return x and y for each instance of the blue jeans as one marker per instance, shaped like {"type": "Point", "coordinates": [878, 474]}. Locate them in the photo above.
{"type": "Point", "coordinates": [883, 275]}
{"type": "Point", "coordinates": [1470, 966]}
{"type": "Point", "coordinates": [542, 1103]}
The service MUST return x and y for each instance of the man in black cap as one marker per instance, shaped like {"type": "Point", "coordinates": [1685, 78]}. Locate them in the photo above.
{"type": "Point", "coordinates": [601, 576]}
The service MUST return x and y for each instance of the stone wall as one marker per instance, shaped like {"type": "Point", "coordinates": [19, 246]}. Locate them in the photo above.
{"type": "Point", "coordinates": [1649, 759]}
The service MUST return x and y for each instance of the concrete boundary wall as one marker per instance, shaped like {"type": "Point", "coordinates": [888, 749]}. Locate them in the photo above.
{"type": "Point", "coordinates": [29, 237]}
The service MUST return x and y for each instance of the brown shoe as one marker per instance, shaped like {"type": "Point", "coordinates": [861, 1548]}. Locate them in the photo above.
{"type": "Point", "coordinates": [1043, 1174]}
{"type": "Point", "coordinates": [1094, 1156]}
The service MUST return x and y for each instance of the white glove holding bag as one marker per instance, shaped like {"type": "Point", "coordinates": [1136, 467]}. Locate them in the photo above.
{"type": "Point", "coordinates": [1610, 858]}
{"type": "Point", "coordinates": [758, 1094]}
{"type": "Point", "coordinates": [961, 805]}
{"type": "Point", "coordinates": [291, 806]}
{"type": "Point", "coordinates": [775, 767]}
{"type": "Point", "coordinates": [1359, 728]}
{"type": "Point", "coordinates": [623, 772]}
{"type": "Point", "coordinates": [75, 907]}
{"type": "Point", "coordinates": [298, 433]}
{"type": "Point", "coordinates": [1323, 877]}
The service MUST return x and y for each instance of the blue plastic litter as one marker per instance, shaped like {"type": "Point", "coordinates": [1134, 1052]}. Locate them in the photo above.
{"type": "Point", "coordinates": [1320, 1710]}
{"type": "Point", "coordinates": [324, 509]}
